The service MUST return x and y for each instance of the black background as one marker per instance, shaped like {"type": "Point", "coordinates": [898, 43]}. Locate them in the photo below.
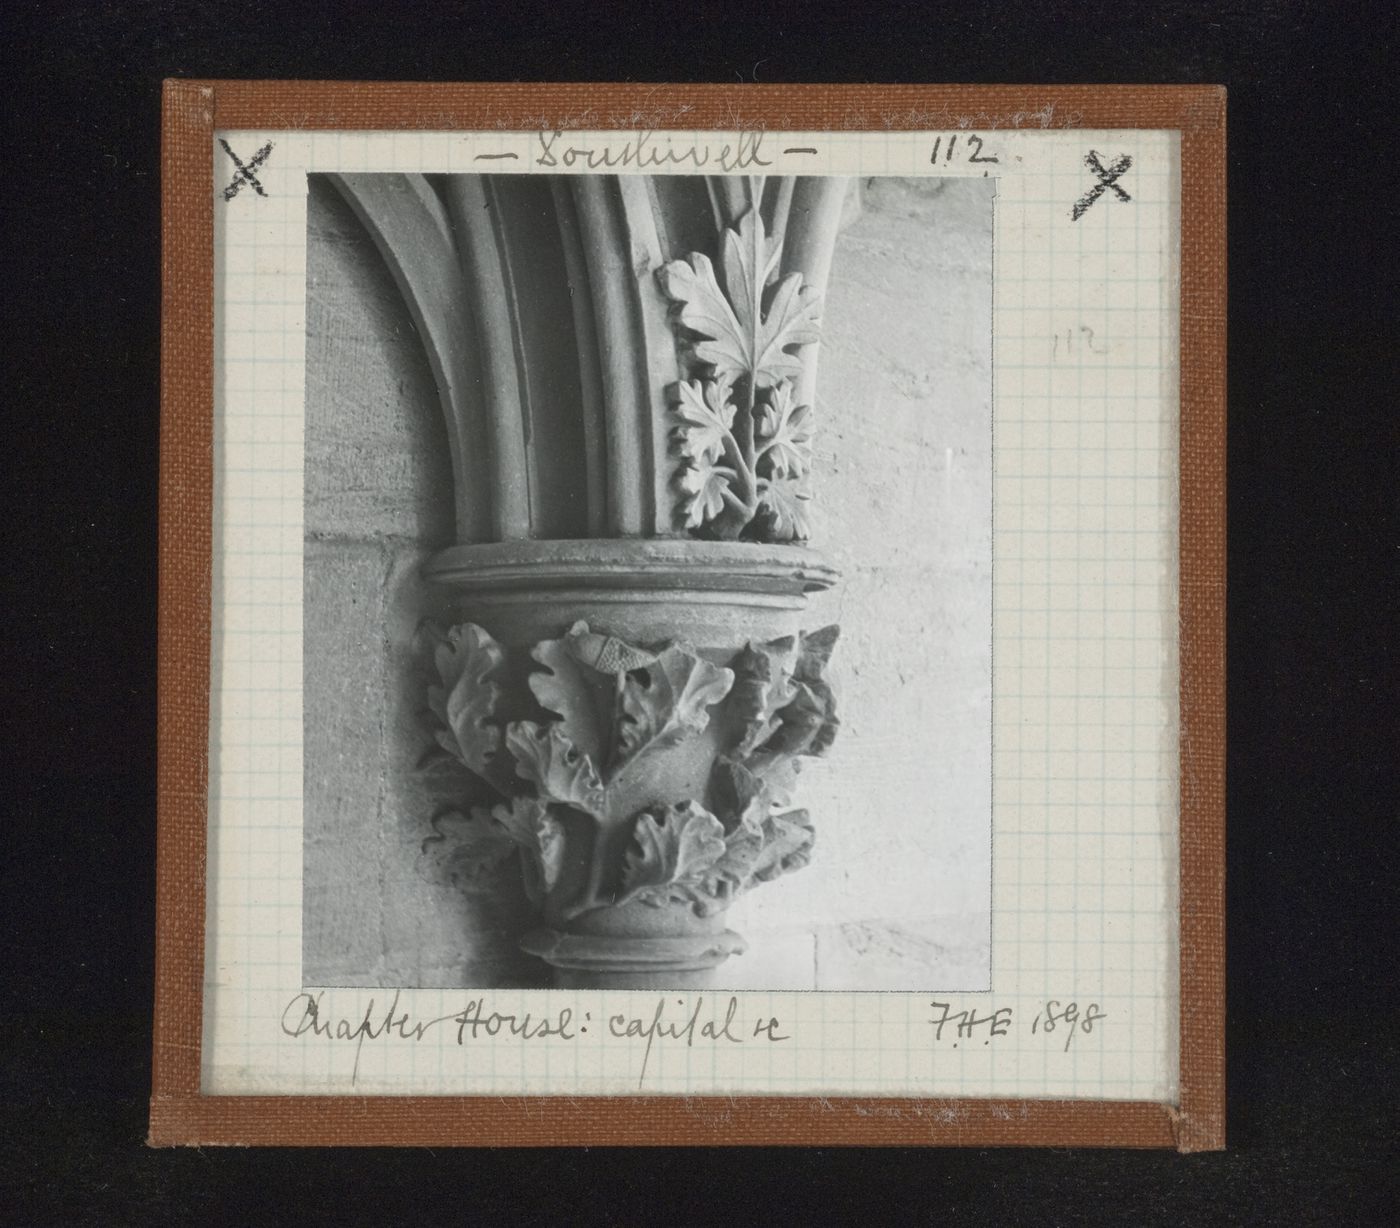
{"type": "Point", "coordinates": [1313, 734]}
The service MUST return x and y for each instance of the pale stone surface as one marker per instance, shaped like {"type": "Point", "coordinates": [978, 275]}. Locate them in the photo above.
{"type": "Point", "coordinates": [928, 953]}
{"type": "Point", "coordinates": [903, 481]}
{"type": "Point", "coordinates": [374, 912]}
{"type": "Point", "coordinates": [344, 668]}
{"type": "Point", "coordinates": [377, 460]}
{"type": "Point", "coordinates": [899, 887]}
{"type": "Point", "coordinates": [779, 960]}
{"type": "Point", "coordinates": [378, 502]}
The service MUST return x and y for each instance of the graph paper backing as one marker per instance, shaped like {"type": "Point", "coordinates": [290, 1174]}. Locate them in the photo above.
{"type": "Point", "coordinates": [1084, 666]}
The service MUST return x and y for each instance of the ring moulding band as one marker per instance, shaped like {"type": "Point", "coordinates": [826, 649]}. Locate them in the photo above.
{"type": "Point", "coordinates": [713, 594]}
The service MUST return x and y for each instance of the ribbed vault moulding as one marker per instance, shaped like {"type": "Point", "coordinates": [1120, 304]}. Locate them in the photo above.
{"type": "Point", "coordinates": [550, 335]}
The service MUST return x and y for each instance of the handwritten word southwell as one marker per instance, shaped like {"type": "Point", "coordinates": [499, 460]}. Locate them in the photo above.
{"type": "Point", "coordinates": [651, 149]}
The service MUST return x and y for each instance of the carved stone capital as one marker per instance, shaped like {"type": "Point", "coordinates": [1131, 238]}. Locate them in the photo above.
{"type": "Point", "coordinates": [640, 787]}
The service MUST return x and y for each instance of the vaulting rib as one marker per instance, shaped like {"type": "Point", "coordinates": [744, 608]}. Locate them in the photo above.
{"type": "Point", "coordinates": [631, 503]}
{"type": "Point", "coordinates": [685, 219]}
{"type": "Point", "coordinates": [777, 205]}
{"type": "Point", "coordinates": [471, 208]}
{"type": "Point", "coordinates": [656, 339]}
{"type": "Point", "coordinates": [409, 226]}
{"type": "Point", "coordinates": [730, 197]}
{"type": "Point", "coordinates": [590, 373]}
{"type": "Point", "coordinates": [534, 264]}
{"type": "Point", "coordinates": [814, 219]}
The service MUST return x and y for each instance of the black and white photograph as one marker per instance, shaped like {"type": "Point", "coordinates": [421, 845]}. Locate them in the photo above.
{"type": "Point", "coordinates": [647, 582]}
{"type": "Point", "coordinates": [448, 593]}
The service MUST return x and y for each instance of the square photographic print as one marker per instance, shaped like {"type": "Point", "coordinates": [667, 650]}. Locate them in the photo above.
{"type": "Point", "coordinates": [704, 622]}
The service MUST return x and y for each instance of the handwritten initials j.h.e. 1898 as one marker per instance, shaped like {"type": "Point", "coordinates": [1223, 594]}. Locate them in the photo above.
{"type": "Point", "coordinates": [955, 1028]}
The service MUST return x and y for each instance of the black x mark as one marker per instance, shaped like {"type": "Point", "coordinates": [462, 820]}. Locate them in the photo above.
{"type": "Point", "coordinates": [1107, 182]}
{"type": "Point", "coordinates": [245, 173]}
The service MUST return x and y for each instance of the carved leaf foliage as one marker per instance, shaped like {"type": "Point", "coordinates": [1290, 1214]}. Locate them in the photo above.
{"type": "Point", "coordinates": [785, 435]}
{"type": "Point", "coordinates": [762, 685]}
{"type": "Point", "coordinates": [467, 659]}
{"type": "Point", "coordinates": [527, 823]}
{"type": "Point", "coordinates": [739, 338]}
{"type": "Point", "coordinates": [787, 846]}
{"type": "Point", "coordinates": [707, 415]}
{"type": "Point", "coordinates": [782, 510]}
{"type": "Point", "coordinates": [744, 793]}
{"type": "Point", "coordinates": [439, 766]}
{"type": "Point", "coordinates": [812, 660]}
{"type": "Point", "coordinates": [705, 311]}
{"type": "Point", "coordinates": [546, 758]}
{"type": "Point", "coordinates": [466, 853]}
{"type": "Point", "coordinates": [669, 700]}
{"type": "Point", "coordinates": [810, 721]}
{"type": "Point", "coordinates": [703, 486]}
{"type": "Point", "coordinates": [798, 722]}
{"type": "Point", "coordinates": [550, 834]}
{"type": "Point", "coordinates": [617, 704]}
{"type": "Point", "coordinates": [807, 723]}
{"type": "Point", "coordinates": [580, 694]}
{"type": "Point", "coordinates": [730, 874]}
{"type": "Point", "coordinates": [815, 651]}
{"type": "Point", "coordinates": [675, 846]}
{"type": "Point", "coordinates": [752, 854]}
{"type": "Point", "coordinates": [790, 319]}
{"type": "Point", "coordinates": [748, 260]}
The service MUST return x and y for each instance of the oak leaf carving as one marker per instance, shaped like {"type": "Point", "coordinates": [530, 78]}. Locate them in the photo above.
{"type": "Point", "coordinates": [668, 701]}
{"type": "Point", "coordinates": [547, 759]}
{"type": "Point", "coordinates": [528, 824]}
{"type": "Point", "coordinates": [807, 724]}
{"type": "Point", "coordinates": [744, 793]}
{"type": "Point", "coordinates": [676, 845]}
{"type": "Point", "coordinates": [787, 846]}
{"type": "Point", "coordinates": [466, 853]}
{"type": "Point", "coordinates": [762, 686]}
{"type": "Point", "coordinates": [810, 672]}
{"type": "Point", "coordinates": [815, 651]}
{"type": "Point", "coordinates": [467, 660]}
{"type": "Point", "coordinates": [580, 694]}
{"type": "Point", "coordinates": [753, 853]}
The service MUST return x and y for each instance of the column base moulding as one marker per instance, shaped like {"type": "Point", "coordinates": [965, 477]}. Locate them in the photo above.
{"type": "Point", "coordinates": [605, 961]}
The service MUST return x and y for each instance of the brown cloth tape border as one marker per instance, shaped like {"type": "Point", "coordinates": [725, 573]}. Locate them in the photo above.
{"type": "Point", "coordinates": [192, 112]}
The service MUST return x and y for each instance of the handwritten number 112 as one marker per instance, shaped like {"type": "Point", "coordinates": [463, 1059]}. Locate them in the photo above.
{"type": "Point", "coordinates": [973, 142]}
